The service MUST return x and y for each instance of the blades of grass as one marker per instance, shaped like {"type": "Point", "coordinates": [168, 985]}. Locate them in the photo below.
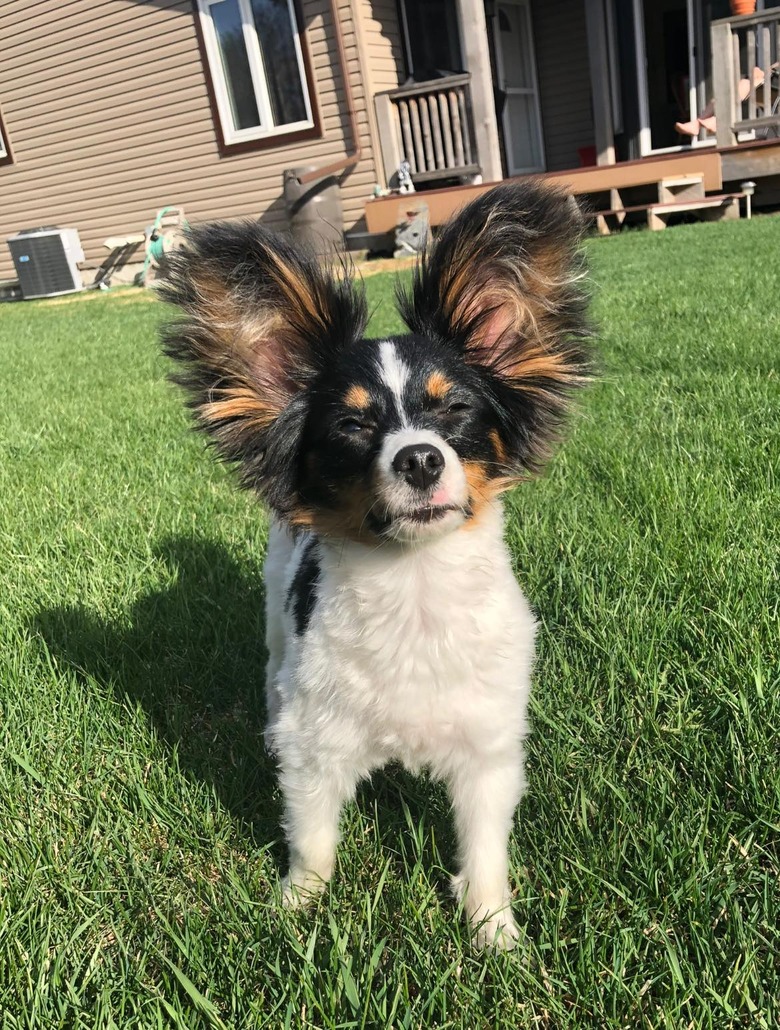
{"type": "Point", "coordinates": [24, 764]}
{"type": "Point", "coordinates": [202, 1004]}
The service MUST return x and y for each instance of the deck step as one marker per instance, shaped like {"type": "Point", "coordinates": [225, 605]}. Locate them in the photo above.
{"type": "Point", "coordinates": [682, 180]}
{"type": "Point", "coordinates": [691, 205]}
{"type": "Point", "coordinates": [657, 213]}
{"type": "Point", "coordinates": [725, 205]}
{"type": "Point", "coordinates": [688, 187]}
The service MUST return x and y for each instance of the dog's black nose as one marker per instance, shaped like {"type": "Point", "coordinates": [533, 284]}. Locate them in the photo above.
{"type": "Point", "coordinates": [420, 464]}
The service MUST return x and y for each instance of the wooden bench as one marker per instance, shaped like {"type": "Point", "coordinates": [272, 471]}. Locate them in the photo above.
{"type": "Point", "coordinates": [675, 196]}
{"type": "Point", "coordinates": [721, 206]}
{"type": "Point", "coordinates": [384, 213]}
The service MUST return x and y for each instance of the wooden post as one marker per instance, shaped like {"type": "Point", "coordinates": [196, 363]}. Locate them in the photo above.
{"type": "Point", "coordinates": [724, 82]}
{"type": "Point", "coordinates": [476, 54]}
{"type": "Point", "coordinates": [388, 138]}
{"type": "Point", "coordinates": [598, 60]}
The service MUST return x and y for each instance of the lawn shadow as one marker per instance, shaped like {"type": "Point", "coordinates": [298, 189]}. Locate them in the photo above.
{"type": "Point", "coordinates": [414, 823]}
{"type": "Point", "coordinates": [193, 655]}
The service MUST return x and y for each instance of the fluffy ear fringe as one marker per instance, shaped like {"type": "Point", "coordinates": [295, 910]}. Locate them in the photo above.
{"type": "Point", "coordinates": [260, 319]}
{"type": "Point", "coordinates": [504, 283]}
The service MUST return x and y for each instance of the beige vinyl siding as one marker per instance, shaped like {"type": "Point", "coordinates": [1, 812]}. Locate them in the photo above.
{"type": "Point", "coordinates": [107, 108]}
{"type": "Point", "coordinates": [561, 49]}
{"type": "Point", "coordinates": [381, 52]}
{"type": "Point", "coordinates": [382, 35]}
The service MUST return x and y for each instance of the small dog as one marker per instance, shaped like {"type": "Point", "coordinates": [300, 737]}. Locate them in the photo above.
{"type": "Point", "coordinates": [396, 630]}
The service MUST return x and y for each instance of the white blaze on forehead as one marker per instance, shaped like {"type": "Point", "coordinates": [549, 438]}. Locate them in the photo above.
{"type": "Point", "coordinates": [394, 373]}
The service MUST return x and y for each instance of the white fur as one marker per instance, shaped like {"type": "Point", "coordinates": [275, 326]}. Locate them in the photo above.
{"type": "Point", "coordinates": [418, 653]}
{"type": "Point", "coordinates": [395, 495]}
{"type": "Point", "coordinates": [395, 374]}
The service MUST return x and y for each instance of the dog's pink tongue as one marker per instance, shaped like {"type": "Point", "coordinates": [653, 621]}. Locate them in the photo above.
{"type": "Point", "coordinates": [440, 497]}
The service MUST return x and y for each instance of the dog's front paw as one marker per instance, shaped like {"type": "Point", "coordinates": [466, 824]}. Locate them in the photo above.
{"type": "Point", "coordinates": [499, 931]}
{"type": "Point", "coordinates": [301, 887]}
{"type": "Point", "coordinates": [493, 924]}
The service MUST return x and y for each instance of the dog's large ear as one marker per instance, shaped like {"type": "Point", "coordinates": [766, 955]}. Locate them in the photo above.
{"type": "Point", "coordinates": [260, 321]}
{"type": "Point", "coordinates": [504, 283]}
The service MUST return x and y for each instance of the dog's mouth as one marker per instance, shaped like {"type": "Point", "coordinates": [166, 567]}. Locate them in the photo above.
{"type": "Point", "coordinates": [428, 513]}
{"type": "Point", "coordinates": [425, 515]}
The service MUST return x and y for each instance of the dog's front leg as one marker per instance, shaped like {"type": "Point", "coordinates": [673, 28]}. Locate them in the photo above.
{"type": "Point", "coordinates": [314, 795]}
{"type": "Point", "coordinates": [485, 794]}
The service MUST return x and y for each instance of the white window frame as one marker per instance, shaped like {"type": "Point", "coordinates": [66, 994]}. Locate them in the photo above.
{"type": "Point", "coordinates": [266, 128]}
{"type": "Point", "coordinates": [4, 151]}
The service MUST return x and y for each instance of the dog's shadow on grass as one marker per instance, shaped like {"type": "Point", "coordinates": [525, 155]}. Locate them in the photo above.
{"type": "Point", "coordinates": [192, 654]}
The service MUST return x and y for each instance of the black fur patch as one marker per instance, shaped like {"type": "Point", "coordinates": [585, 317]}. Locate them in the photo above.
{"type": "Point", "coordinates": [302, 595]}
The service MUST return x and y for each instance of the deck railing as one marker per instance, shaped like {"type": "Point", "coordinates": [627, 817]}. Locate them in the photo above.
{"type": "Point", "coordinates": [431, 125]}
{"type": "Point", "coordinates": [746, 47]}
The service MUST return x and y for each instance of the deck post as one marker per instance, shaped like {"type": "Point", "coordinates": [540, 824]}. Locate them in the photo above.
{"type": "Point", "coordinates": [724, 82]}
{"type": "Point", "coordinates": [598, 61]}
{"type": "Point", "coordinates": [388, 138]}
{"type": "Point", "coordinates": [476, 54]}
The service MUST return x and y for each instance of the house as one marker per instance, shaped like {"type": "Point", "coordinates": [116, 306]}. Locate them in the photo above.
{"type": "Point", "coordinates": [111, 110]}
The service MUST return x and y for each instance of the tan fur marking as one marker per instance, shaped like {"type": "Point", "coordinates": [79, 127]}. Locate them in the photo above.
{"type": "Point", "coordinates": [483, 489]}
{"type": "Point", "coordinates": [349, 516]}
{"type": "Point", "coordinates": [536, 362]}
{"type": "Point", "coordinates": [301, 517]}
{"type": "Point", "coordinates": [438, 385]}
{"type": "Point", "coordinates": [357, 397]}
{"type": "Point", "coordinates": [305, 306]}
{"type": "Point", "coordinates": [498, 446]}
{"type": "Point", "coordinates": [234, 347]}
{"type": "Point", "coordinates": [238, 403]}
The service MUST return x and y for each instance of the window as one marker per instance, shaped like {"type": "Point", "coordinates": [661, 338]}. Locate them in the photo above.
{"type": "Point", "coordinates": [432, 39]}
{"type": "Point", "coordinates": [257, 69]}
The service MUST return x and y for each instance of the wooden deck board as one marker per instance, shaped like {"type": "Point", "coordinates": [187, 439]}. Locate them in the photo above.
{"type": "Point", "coordinates": [384, 213]}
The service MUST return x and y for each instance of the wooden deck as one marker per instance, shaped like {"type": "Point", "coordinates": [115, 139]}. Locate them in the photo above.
{"type": "Point", "coordinates": [710, 164]}
{"type": "Point", "coordinates": [755, 159]}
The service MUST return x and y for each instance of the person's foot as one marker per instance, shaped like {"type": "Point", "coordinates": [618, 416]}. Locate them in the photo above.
{"type": "Point", "coordinates": [687, 128]}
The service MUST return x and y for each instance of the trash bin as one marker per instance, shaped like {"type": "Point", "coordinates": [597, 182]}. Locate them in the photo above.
{"type": "Point", "coordinates": [315, 211]}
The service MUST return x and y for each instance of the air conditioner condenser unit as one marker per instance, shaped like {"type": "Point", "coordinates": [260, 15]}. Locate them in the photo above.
{"type": "Point", "coordinates": [46, 261]}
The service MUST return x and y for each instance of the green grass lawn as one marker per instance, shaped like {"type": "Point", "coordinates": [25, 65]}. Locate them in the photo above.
{"type": "Point", "coordinates": [139, 818]}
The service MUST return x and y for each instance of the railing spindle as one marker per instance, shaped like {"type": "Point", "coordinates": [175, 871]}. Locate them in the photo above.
{"type": "Point", "coordinates": [414, 116]}
{"type": "Point", "coordinates": [736, 114]}
{"type": "Point", "coordinates": [406, 134]}
{"type": "Point", "coordinates": [437, 133]}
{"type": "Point", "coordinates": [464, 126]}
{"type": "Point", "coordinates": [766, 53]}
{"type": "Point", "coordinates": [457, 132]}
{"type": "Point", "coordinates": [425, 121]}
{"type": "Point", "coordinates": [447, 130]}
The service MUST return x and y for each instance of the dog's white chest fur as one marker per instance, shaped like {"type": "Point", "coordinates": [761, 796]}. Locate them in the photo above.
{"type": "Point", "coordinates": [409, 654]}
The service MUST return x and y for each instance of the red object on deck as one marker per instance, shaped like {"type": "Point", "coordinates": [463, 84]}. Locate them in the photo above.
{"type": "Point", "coordinates": [587, 156]}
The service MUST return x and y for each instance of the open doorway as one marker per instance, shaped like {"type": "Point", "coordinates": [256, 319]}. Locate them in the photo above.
{"type": "Point", "coordinates": [667, 68]}
{"type": "Point", "coordinates": [675, 77]}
